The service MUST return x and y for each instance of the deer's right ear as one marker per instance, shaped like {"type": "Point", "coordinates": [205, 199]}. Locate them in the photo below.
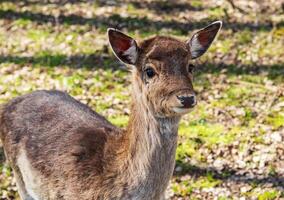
{"type": "Point", "coordinates": [124, 47]}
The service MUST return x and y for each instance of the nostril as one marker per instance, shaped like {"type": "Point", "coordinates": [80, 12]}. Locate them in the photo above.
{"type": "Point", "coordinates": [187, 101]}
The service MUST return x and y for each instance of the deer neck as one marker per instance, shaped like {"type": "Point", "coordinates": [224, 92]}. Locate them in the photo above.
{"type": "Point", "coordinates": [152, 146]}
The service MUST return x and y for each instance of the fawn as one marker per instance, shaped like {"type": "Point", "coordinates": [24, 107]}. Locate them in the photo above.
{"type": "Point", "coordinates": [60, 149]}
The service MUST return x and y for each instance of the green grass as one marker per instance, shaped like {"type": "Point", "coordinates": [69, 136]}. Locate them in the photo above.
{"type": "Point", "coordinates": [276, 120]}
{"type": "Point", "coordinates": [186, 187]}
{"type": "Point", "coordinates": [268, 195]}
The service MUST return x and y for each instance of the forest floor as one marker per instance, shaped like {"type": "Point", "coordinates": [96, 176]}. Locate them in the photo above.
{"type": "Point", "coordinates": [230, 147]}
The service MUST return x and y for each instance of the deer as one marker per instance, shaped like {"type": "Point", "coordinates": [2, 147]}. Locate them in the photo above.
{"type": "Point", "coordinates": [60, 149]}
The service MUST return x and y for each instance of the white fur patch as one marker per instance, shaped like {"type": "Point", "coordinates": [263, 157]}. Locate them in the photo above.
{"type": "Point", "coordinates": [195, 47]}
{"type": "Point", "coordinates": [131, 52]}
{"type": "Point", "coordinates": [181, 110]}
{"type": "Point", "coordinates": [30, 177]}
{"type": "Point", "coordinates": [169, 127]}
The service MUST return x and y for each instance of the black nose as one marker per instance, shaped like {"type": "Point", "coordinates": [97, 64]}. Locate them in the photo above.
{"type": "Point", "coordinates": [187, 101]}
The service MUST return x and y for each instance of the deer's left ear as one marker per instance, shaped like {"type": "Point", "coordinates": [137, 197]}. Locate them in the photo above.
{"type": "Point", "coordinates": [124, 47]}
{"type": "Point", "coordinates": [201, 41]}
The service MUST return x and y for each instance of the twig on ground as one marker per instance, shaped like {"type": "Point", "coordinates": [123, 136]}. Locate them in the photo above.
{"type": "Point", "coordinates": [231, 2]}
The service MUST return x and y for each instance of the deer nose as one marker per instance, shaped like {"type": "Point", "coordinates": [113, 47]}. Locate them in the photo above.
{"type": "Point", "coordinates": [187, 101]}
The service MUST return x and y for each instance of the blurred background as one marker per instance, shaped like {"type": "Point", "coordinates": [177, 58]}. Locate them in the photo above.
{"type": "Point", "coordinates": [230, 147]}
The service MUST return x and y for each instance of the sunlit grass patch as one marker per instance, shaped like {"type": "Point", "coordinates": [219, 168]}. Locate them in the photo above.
{"type": "Point", "coordinates": [120, 121]}
{"type": "Point", "coordinates": [276, 120]}
{"type": "Point", "coordinates": [184, 187]}
{"type": "Point", "coordinates": [209, 134]}
{"type": "Point", "coordinates": [22, 23]}
{"type": "Point", "coordinates": [271, 194]}
{"type": "Point", "coordinates": [216, 12]}
{"type": "Point", "coordinates": [195, 135]}
{"type": "Point", "coordinates": [7, 191]}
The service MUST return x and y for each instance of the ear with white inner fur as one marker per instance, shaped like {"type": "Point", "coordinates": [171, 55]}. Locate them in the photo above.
{"type": "Point", "coordinates": [201, 41]}
{"type": "Point", "coordinates": [124, 47]}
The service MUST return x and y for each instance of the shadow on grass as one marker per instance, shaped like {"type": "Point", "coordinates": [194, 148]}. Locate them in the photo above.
{"type": "Point", "coordinates": [275, 71]}
{"type": "Point", "coordinates": [74, 61]}
{"type": "Point", "coordinates": [2, 156]}
{"type": "Point", "coordinates": [158, 6]}
{"type": "Point", "coordinates": [105, 61]}
{"type": "Point", "coordinates": [131, 23]}
{"type": "Point", "coordinates": [44, 2]}
{"type": "Point", "coordinates": [166, 7]}
{"type": "Point", "coordinates": [228, 175]}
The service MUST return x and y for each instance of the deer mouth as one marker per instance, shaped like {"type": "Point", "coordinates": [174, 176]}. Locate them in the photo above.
{"type": "Point", "coordinates": [182, 110]}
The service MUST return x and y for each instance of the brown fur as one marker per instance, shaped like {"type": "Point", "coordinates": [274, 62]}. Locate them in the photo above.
{"type": "Point", "coordinates": [61, 149]}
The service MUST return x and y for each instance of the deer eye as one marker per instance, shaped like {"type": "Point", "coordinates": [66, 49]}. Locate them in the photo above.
{"type": "Point", "coordinates": [190, 68]}
{"type": "Point", "coordinates": [150, 72]}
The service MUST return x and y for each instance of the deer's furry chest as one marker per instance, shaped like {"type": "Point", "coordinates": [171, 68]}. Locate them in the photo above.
{"type": "Point", "coordinates": [154, 165]}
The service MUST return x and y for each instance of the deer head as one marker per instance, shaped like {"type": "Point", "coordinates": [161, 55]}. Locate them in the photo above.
{"type": "Point", "coordinates": [163, 69]}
